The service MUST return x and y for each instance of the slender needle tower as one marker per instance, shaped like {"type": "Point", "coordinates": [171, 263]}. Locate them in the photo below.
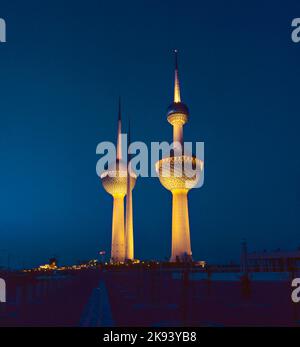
{"type": "Point", "coordinates": [177, 174]}
{"type": "Point", "coordinates": [114, 181]}
{"type": "Point", "coordinates": [131, 177]}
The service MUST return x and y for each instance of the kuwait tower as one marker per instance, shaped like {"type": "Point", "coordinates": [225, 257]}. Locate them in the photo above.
{"type": "Point", "coordinates": [179, 172]}
{"type": "Point", "coordinates": [116, 182]}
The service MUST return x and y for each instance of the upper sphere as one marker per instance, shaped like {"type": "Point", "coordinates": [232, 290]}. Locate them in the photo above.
{"type": "Point", "coordinates": [177, 107]}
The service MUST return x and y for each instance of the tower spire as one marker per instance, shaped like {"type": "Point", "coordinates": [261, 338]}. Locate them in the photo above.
{"type": "Point", "coordinates": [119, 139]}
{"type": "Point", "coordinates": [129, 241]}
{"type": "Point", "coordinates": [176, 84]}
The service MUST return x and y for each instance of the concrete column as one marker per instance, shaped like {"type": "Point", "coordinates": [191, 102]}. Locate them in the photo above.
{"type": "Point", "coordinates": [181, 244]}
{"type": "Point", "coordinates": [129, 242]}
{"type": "Point", "coordinates": [178, 133]}
{"type": "Point", "coordinates": [118, 231]}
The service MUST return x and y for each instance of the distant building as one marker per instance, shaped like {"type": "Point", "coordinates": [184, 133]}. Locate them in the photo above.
{"type": "Point", "coordinates": [51, 266]}
{"type": "Point", "coordinates": [274, 261]}
{"type": "Point", "coordinates": [53, 263]}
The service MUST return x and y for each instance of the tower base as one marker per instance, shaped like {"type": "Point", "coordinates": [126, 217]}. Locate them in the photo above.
{"type": "Point", "coordinates": [118, 237]}
{"type": "Point", "coordinates": [181, 243]}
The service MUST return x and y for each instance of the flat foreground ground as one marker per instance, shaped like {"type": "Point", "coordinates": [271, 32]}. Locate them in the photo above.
{"type": "Point", "coordinates": [142, 297]}
{"type": "Point", "coordinates": [156, 298]}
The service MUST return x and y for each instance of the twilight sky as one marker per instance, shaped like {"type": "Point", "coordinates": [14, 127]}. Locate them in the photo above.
{"type": "Point", "coordinates": [61, 71]}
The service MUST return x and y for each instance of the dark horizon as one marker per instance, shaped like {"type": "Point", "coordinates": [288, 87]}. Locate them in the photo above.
{"type": "Point", "coordinates": [62, 71]}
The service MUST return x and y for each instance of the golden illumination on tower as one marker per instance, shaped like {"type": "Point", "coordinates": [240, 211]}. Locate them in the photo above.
{"type": "Point", "coordinates": [176, 84]}
{"type": "Point", "coordinates": [178, 173]}
{"type": "Point", "coordinates": [129, 241]}
{"type": "Point", "coordinates": [115, 182]}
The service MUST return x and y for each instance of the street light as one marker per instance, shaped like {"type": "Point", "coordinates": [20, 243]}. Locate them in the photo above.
{"type": "Point", "coordinates": [102, 256]}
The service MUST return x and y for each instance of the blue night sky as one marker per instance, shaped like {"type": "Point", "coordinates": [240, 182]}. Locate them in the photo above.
{"type": "Point", "coordinates": [61, 71]}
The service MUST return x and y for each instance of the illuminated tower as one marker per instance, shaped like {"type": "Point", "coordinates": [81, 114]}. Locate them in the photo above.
{"type": "Point", "coordinates": [114, 181]}
{"type": "Point", "coordinates": [177, 174]}
{"type": "Point", "coordinates": [131, 177]}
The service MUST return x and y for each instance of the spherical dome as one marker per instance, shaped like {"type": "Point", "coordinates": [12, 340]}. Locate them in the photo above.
{"type": "Point", "coordinates": [114, 179]}
{"type": "Point", "coordinates": [178, 113]}
{"type": "Point", "coordinates": [177, 107]}
{"type": "Point", "coordinates": [179, 172]}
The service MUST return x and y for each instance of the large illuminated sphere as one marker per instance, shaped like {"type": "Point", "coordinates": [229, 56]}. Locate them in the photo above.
{"type": "Point", "coordinates": [178, 172]}
{"type": "Point", "coordinates": [114, 179]}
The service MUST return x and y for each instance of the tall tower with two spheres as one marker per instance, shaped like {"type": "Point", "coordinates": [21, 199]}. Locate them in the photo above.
{"type": "Point", "coordinates": [119, 180]}
{"type": "Point", "coordinates": [177, 174]}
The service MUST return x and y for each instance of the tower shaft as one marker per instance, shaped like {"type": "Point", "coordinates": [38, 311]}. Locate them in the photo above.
{"type": "Point", "coordinates": [119, 136]}
{"type": "Point", "coordinates": [118, 242]}
{"type": "Point", "coordinates": [178, 133]}
{"type": "Point", "coordinates": [181, 244]}
{"type": "Point", "coordinates": [129, 248]}
{"type": "Point", "coordinates": [129, 240]}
